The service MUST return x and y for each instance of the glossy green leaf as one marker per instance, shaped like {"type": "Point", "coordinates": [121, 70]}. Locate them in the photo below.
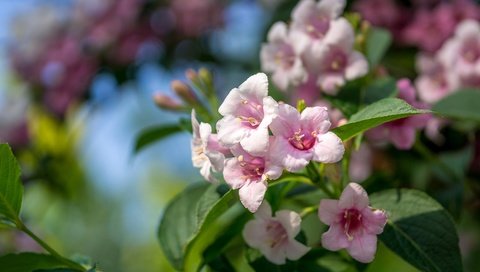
{"type": "Point", "coordinates": [378, 42]}
{"type": "Point", "coordinates": [11, 188]}
{"type": "Point", "coordinates": [419, 230]}
{"type": "Point", "coordinates": [31, 262]}
{"type": "Point", "coordinates": [375, 114]}
{"type": "Point", "coordinates": [461, 105]}
{"type": "Point", "coordinates": [154, 134]}
{"type": "Point", "coordinates": [192, 212]}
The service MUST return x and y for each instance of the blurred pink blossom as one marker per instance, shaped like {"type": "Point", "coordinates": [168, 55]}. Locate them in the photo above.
{"type": "Point", "coordinates": [353, 224]}
{"type": "Point", "coordinates": [194, 17]}
{"type": "Point", "coordinates": [361, 163]}
{"type": "Point", "coordinates": [275, 236]}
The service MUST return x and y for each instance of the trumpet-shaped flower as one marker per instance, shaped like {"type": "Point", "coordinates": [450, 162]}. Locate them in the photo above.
{"type": "Point", "coordinates": [353, 224]}
{"type": "Point", "coordinates": [275, 236]}
{"type": "Point", "coordinates": [249, 174]}
{"type": "Point", "coordinates": [207, 153]}
{"type": "Point", "coordinates": [281, 57]}
{"type": "Point", "coordinates": [300, 138]}
{"type": "Point", "coordinates": [434, 81]}
{"type": "Point", "coordinates": [247, 111]}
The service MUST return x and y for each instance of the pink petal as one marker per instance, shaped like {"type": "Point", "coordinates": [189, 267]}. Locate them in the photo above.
{"type": "Point", "coordinates": [206, 172]}
{"type": "Point", "coordinates": [231, 103]}
{"type": "Point", "coordinates": [303, 10]}
{"type": "Point", "coordinates": [315, 118]}
{"type": "Point", "coordinates": [467, 29]}
{"type": "Point", "coordinates": [217, 160]}
{"type": "Point", "coordinates": [353, 196]}
{"type": "Point", "coordinates": [328, 211]}
{"type": "Point", "coordinates": [270, 111]}
{"type": "Point", "coordinates": [374, 220]}
{"type": "Point", "coordinates": [280, 78]}
{"type": "Point", "coordinates": [403, 137]}
{"type": "Point", "coordinates": [328, 149]}
{"type": "Point", "coordinates": [332, 7]}
{"type": "Point", "coordinates": [357, 66]}
{"type": "Point", "coordinates": [231, 131]}
{"type": "Point", "coordinates": [205, 131]}
{"type": "Point", "coordinates": [363, 248]}
{"type": "Point", "coordinates": [330, 83]}
{"type": "Point", "coordinates": [264, 211]}
{"type": "Point", "coordinates": [334, 239]}
{"type": "Point", "coordinates": [295, 250]}
{"type": "Point", "coordinates": [252, 194]}
{"type": "Point", "coordinates": [287, 121]}
{"type": "Point", "coordinates": [254, 233]}
{"type": "Point", "coordinates": [292, 159]}
{"type": "Point", "coordinates": [278, 32]}
{"type": "Point", "coordinates": [340, 34]}
{"type": "Point", "coordinates": [232, 173]}
{"type": "Point", "coordinates": [195, 125]}
{"type": "Point", "coordinates": [275, 255]}
{"type": "Point", "coordinates": [290, 221]}
{"type": "Point", "coordinates": [255, 87]}
{"type": "Point", "coordinates": [256, 143]}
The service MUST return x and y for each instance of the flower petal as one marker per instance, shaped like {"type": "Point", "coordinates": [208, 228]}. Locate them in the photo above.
{"type": "Point", "coordinates": [290, 221]}
{"type": "Point", "coordinates": [340, 34]}
{"type": "Point", "coordinates": [264, 211]}
{"type": "Point", "coordinates": [357, 66]}
{"type": "Point", "coordinates": [255, 88]}
{"type": "Point", "coordinates": [292, 159]}
{"type": "Point", "coordinates": [374, 220]}
{"type": "Point", "coordinates": [230, 130]}
{"type": "Point", "coordinates": [363, 248]}
{"type": "Point", "coordinates": [254, 233]}
{"type": "Point", "coordinates": [334, 239]}
{"type": "Point", "coordinates": [334, 8]}
{"type": "Point", "coordinates": [328, 211]}
{"type": "Point", "coordinates": [232, 173]}
{"type": "Point", "coordinates": [278, 32]}
{"type": "Point", "coordinates": [328, 149]}
{"type": "Point", "coordinates": [303, 10]}
{"type": "Point", "coordinates": [256, 143]}
{"type": "Point", "coordinates": [353, 196]}
{"type": "Point", "coordinates": [295, 250]}
{"type": "Point", "coordinates": [252, 194]}
{"type": "Point", "coordinates": [231, 103]}
{"type": "Point", "coordinates": [287, 121]}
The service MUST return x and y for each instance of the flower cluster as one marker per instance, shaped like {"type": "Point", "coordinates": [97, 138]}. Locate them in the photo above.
{"type": "Point", "coordinates": [317, 46]}
{"type": "Point", "coordinates": [354, 225]}
{"type": "Point", "coordinates": [246, 152]}
{"type": "Point", "coordinates": [455, 65]}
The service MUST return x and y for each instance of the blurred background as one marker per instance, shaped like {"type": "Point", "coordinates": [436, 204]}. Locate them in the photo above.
{"type": "Point", "coordinates": [77, 79]}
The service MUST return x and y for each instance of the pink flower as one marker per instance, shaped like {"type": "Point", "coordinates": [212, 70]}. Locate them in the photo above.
{"type": "Point", "coordinates": [461, 54]}
{"type": "Point", "coordinates": [335, 61]}
{"type": "Point", "coordinates": [250, 174]}
{"type": "Point", "coordinates": [275, 236]}
{"type": "Point", "coordinates": [207, 153]}
{"type": "Point", "coordinates": [313, 19]}
{"type": "Point", "coordinates": [434, 81]}
{"type": "Point", "coordinates": [402, 132]}
{"type": "Point", "coordinates": [361, 163]}
{"type": "Point", "coordinates": [247, 111]}
{"type": "Point", "coordinates": [353, 224]}
{"type": "Point", "coordinates": [300, 138]}
{"type": "Point", "coordinates": [281, 56]}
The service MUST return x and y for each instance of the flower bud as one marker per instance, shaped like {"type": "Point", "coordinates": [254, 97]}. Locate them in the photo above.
{"type": "Point", "coordinates": [206, 76]}
{"type": "Point", "coordinates": [166, 102]}
{"type": "Point", "coordinates": [191, 75]}
{"type": "Point", "coordinates": [185, 92]}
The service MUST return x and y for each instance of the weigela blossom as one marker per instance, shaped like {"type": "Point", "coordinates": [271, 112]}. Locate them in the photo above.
{"type": "Point", "coordinates": [275, 236]}
{"type": "Point", "coordinates": [461, 54]}
{"type": "Point", "coordinates": [434, 81]}
{"type": "Point", "coordinates": [301, 137]}
{"type": "Point", "coordinates": [281, 57]}
{"type": "Point", "coordinates": [402, 132]}
{"type": "Point", "coordinates": [207, 153]}
{"type": "Point", "coordinates": [249, 174]}
{"type": "Point", "coordinates": [353, 224]}
{"type": "Point", "coordinates": [335, 60]}
{"type": "Point", "coordinates": [247, 111]}
{"type": "Point", "coordinates": [361, 161]}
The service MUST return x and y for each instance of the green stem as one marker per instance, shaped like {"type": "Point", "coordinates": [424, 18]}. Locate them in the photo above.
{"type": "Point", "coordinates": [318, 179]}
{"type": "Point", "coordinates": [306, 211]}
{"type": "Point", "coordinates": [49, 249]}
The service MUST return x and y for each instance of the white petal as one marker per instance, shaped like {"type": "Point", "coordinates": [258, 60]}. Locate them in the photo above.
{"type": "Point", "coordinates": [255, 88]}
{"type": "Point", "coordinates": [252, 194]}
{"type": "Point", "coordinates": [290, 221]}
{"type": "Point", "coordinates": [332, 7]}
{"type": "Point", "coordinates": [357, 66]}
{"type": "Point", "coordinates": [328, 149]}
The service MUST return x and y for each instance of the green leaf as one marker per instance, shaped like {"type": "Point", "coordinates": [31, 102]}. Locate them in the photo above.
{"type": "Point", "coordinates": [419, 230]}
{"type": "Point", "coordinates": [191, 213]}
{"type": "Point", "coordinates": [11, 188]}
{"type": "Point", "coordinates": [31, 262]}
{"type": "Point", "coordinates": [460, 105]}
{"type": "Point", "coordinates": [378, 42]}
{"type": "Point", "coordinates": [151, 135]}
{"type": "Point", "coordinates": [375, 114]}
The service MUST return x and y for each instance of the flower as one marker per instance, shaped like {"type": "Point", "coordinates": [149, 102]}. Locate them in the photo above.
{"type": "Point", "coordinates": [247, 111]}
{"type": "Point", "coordinates": [207, 153]}
{"type": "Point", "coordinates": [335, 60]}
{"type": "Point", "coordinates": [361, 163]}
{"type": "Point", "coordinates": [353, 224]}
{"type": "Point", "coordinates": [275, 236]}
{"type": "Point", "coordinates": [249, 174]}
{"type": "Point", "coordinates": [434, 81]}
{"type": "Point", "coordinates": [402, 132]}
{"type": "Point", "coordinates": [300, 138]}
{"type": "Point", "coordinates": [281, 56]}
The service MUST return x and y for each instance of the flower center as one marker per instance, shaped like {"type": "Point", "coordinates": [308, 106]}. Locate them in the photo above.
{"type": "Point", "coordinates": [317, 26]}
{"type": "Point", "coordinates": [250, 114]}
{"type": "Point", "coordinates": [277, 234]}
{"type": "Point", "coordinates": [285, 56]}
{"type": "Point", "coordinates": [303, 141]}
{"type": "Point", "coordinates": [337, 60]}
{"type": "Point", "coordinates": [351, 222]}
{"type": "Point", "coordinates": [252, 169]}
